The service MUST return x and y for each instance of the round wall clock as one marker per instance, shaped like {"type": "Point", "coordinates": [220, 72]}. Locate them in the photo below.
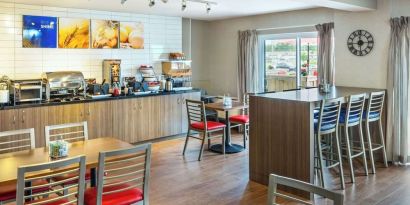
{"type": "Point", "coordinates": [360, 43]}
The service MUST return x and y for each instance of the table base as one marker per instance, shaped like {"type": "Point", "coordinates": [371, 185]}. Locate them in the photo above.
{"type": "Point", "coordinates": [229, 149]}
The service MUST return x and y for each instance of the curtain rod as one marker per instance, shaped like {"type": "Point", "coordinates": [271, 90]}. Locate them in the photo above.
{"type": "Point", "coordinates": [286, 27]}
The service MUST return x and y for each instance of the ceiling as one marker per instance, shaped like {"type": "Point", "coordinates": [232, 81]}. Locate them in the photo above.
{"type": "Point", "coordinates": [223, 9]}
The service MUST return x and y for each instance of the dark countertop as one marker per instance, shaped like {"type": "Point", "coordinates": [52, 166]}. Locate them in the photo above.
{"type": "Point", "coordinates": [313, 95]}
{"type": "Point", "coordinates": [88, 100]}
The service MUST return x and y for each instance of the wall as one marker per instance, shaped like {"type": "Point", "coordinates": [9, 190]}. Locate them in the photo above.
{"type": "Point", "coordinates": [367, 71]}
{"type": "Point", "coordinates": [162, 35]}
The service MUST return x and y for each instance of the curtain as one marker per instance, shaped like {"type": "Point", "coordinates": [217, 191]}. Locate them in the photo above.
{"type": "Point", "coordinates": [398, 88]}
{"type": "Point", "coordinates": [248, 73]}
{"type": "Point", "coordinates": [326, 53]}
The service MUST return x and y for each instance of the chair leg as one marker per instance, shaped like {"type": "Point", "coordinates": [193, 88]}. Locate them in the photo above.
{"type": "Point", "coordinates": [370, 147]}
{"type": "Point", "coordinates": [349, 154]}
{"type": "Point", "coordinates": [366, 171]}
{"type": "Point", "coordinates": [383, 144]}
{"type": "Point", "coordinates": [320, 163]}
{"type": "Point", "coordinates": [186, 141]}
{"type": "Point", "coordinates": [202, 146]}
{"type": "Point", "coordinates": [339, 155]}
{"type": "Point", "coordinates": [244, 136]}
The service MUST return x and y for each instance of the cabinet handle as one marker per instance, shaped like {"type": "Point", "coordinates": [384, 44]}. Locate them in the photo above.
{"type": "Point", "coordinates": [179, 101]}
{"type": "Point", "coordinates": [22, 117]}
{"type": "Point", "coordinates": [89, 112]}
{"type": "Point", "coordinates": [139, 105]}
{"type": "Point", "coordinates": [14, 119]}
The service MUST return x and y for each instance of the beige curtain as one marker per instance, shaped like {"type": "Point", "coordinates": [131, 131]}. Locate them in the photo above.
{"type": "Point", "coordinates": [326, 53]}
{"type": "Point", "coordinates": [398, 88]}
{"type": "Point", "coordinates": [248, 73]}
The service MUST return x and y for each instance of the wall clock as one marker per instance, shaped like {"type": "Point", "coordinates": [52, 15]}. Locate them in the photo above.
{"type": "Point", "coordinates": [360, 42]}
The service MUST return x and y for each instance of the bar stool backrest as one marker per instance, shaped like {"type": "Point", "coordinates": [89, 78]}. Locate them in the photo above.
{"type": "Point", "coordinates": [70, 132]}
{"type": "Point", "coordinates": [355, 108]}
{"type": "Point", "coordinates": [125, 168]}
{"type": "Point", "coordinates": [375, 105]}
{"type": "Point", "coordinates": [329, 116]}
{"type": "Point", "coordinates": [274, 180]}
{"type": "Point", "coordinates": [17, 140]}
{"type": "Point", "coordinates": [196, 112]}
{"type": "Point", "coordinates": [75, 167]}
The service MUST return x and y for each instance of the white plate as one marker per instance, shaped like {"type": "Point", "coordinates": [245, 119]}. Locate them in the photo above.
{"type": "Point", "coordinates": [142, 93]}
{"type": "Point", "coordinates": [99, 96]}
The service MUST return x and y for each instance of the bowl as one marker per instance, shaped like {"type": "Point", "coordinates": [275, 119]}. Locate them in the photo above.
{"type": "Point", "coordinates": [153, 88]}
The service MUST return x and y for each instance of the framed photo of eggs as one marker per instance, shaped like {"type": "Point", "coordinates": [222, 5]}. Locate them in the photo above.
{"type": "Point", "coordinates": [104, 33]}
{"type": "Point", "coordinates": [132, 35]}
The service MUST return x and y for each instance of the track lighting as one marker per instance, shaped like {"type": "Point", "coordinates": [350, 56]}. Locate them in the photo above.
{"type": "Point", "coordinates": [123, 1]}
{"type": "Point", "coordinates": [151, 3]}
{"type": "Point", "coordinates": [165, 1]}
{"type": "Point", "coordinates": [208, 8]}
{"type": "Point", "coordinates": [183, 5]}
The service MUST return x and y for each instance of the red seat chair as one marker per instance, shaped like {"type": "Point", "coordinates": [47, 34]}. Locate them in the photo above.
{"type": "Point", "coordinates": [198, 122]}
{"type": "Point", "coordinates": [74, 166]}
{"type": "Point", "coordinates": [127, 181]}
{"type": "Point", "coordinates": [242, 120]}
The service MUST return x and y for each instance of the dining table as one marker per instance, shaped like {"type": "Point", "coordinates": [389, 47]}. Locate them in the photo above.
{"type": "Point", "coordinates": [10, 162]}
{"type": "Point", "coordinates": [230, 148]}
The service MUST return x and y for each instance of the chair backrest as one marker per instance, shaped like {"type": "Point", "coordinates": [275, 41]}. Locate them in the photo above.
{"type": "Point", "coordinates": [73, 166]}
{"type": "Point", "coordinates": [196, 112]}
{"type": "Point", "coordinates": [329, 115]}
{"type": "Point", "coordinates": [126, 168]}
{"type": "Point", "coordinates": [274, 180]}
{"type": "Point", "coordinates": [375, 104]}
{"type": "Point", "coordinates": [17, 140]}
{"type": "Point", "coordinates": [70, 132]}
{"type": "Point", "coordinates": [355, 107]}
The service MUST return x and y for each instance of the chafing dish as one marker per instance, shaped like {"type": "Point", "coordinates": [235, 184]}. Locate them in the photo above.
{"type": "Point", "coordinates": [64, 84]}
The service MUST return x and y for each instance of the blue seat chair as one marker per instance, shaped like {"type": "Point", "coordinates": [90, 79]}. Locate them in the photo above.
{"type": "Point", "coordinates": [351, 118]}
{"type": "Point", "coordinates": [326, 129]}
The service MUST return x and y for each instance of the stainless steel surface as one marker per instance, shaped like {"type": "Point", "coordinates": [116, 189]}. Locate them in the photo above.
{"type": "Point", "coordinates": [64, 84]}
{"type": "Point", "coordinates": [169, 84]}
{"type": "Point", "coordinates": [27, 91]}
{"type": "Point", "coordinates": [112, 71]}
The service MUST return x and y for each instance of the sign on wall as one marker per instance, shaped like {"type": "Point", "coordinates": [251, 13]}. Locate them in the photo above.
{"type": "Point", "coordinates": [73, 33]}
{"type": "Point", "coordinates": [39, 32]}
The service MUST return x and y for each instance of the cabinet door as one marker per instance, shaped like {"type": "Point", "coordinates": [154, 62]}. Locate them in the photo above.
{"type": "Point", "coordinates": [123, 112]}
{"type": "Point", "coordinates": [148, 121]}
{"type": "Point", "coordinates": [33, 118]}
{"type": "Point", "coordinates": [171, 114]}
{"type": "Point", "coordinates": [8, 120]}
{"type": "Point", "coordinates": [63, 114]}
{"type": "Point", "coordinates": [99, 117]}
{"type": "Point", "coordinates": [184, 118]}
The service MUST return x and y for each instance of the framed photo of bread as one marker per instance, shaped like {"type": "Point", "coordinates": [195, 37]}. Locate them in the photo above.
{"type": "Point", "coordinates": [73, 33]}
{"type": "Point", "coordinates": [105, 34]}
{"type": "Point", "coordinates": [132, 35]}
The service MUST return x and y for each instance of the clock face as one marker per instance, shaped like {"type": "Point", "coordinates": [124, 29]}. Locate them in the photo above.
{"type": "Point", "coordinates": [360, 43]}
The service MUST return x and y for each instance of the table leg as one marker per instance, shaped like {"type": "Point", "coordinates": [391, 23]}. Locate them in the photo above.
{"type": "Point", "coordinates": [230, 148]}
{"type": "Point", "coordinates": [93, 181]}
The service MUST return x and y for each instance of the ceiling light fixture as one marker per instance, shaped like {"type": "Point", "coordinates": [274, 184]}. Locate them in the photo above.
{"type": "Point", "coordinates": [208, 8]}
{"type": "Point", "coordinates": [123, 1]}
{"type": "Point", "coordinates": [151, 3]}
{"type": "Point", "coordinates": [183, 5]}
{"type": "Point", "coordinates": [165, 1]}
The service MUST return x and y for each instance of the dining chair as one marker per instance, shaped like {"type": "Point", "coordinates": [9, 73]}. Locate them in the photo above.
{"type": "Point", "coordinates": [70, 132]}
{"type": "Point", "coordinates": [273, 194]}
{"type": "Point", "coordinates": [242, 120]}
{"type": "Point", "coordinates": [127, 181]}
{"type": "Point", "coordinates": [350, 118]}
{"type": "Point", "coordinates": [326, 129]}
{"type": "Point", "coordinates": [49, 195]}
{"type": "Point", "coordinates": [373, 114]}
{"type": "Point", "coordinates": [13, 141]}
{"type": "Point", "coordinates": [197, 122]}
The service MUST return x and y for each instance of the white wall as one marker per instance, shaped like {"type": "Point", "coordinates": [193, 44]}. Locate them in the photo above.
{"type": "Point", "coordinates": [367, 71]}
{"type": "Point", "coordinates": [162, 35]}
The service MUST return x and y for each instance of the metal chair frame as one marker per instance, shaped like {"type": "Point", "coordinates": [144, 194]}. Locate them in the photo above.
{"type": "Point", "coordinates": [329, 114]}
{"type": "Point", "coordinates": [244, 111]}
{"type": "Point", "coordinates": [273, 193]}
{"type": "Point", "coordinates": [24, 188]}
{"type": "Point", "coordinates": [119, 158]}
{"type": "Point", "coordinates": [375, 104]}
{"type": "Point", "coordinates": [65, 135]}
{"type": "Point", "coordinates": [196, 113]}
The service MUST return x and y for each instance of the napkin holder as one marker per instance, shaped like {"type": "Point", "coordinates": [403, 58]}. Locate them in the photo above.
{"type": "Point", "coordinates": [58, 149]}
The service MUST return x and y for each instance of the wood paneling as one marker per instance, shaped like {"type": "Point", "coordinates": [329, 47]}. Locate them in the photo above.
{"type": "Point", "coordinates": [99, 115]}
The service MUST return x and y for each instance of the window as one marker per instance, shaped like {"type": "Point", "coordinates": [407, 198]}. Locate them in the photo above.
{"type": "Point", "coordinates": [289, 61]}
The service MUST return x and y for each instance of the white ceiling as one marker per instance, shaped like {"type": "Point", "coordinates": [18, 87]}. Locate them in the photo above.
{"type": "Point", "coordinates": [223, 9]}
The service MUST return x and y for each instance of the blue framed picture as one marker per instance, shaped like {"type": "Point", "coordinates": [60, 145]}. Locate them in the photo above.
{"type": "Point", "coordinates": [39, 32]}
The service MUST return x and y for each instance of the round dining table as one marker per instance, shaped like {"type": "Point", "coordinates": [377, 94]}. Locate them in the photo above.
{"type": "Point", "coordinates": [230, 147]}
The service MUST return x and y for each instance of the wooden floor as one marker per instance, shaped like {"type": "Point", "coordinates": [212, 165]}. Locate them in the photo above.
{"type": "Point", "coordinates": [178, 180]}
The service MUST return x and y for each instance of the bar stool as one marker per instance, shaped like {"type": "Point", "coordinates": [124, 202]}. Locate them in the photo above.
{"type": "Point", "coordinates": [198, 122]}
{"type": "Point", "coordinates": [374, 114]}
{"type": "Point", "coordinates": [350, 118]}
{"type": "Point", "coordinates": [326, 128]}
{"type": "Point", "coordinates": [242, 120]}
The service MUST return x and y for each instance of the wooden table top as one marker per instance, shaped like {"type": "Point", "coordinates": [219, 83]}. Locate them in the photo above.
{"type": "Point", "coordinates": [219, 106]}
{"type": "Point", "coordinates": [90, 149]}
{"type": "Point", "coordinates": [313, 95]}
